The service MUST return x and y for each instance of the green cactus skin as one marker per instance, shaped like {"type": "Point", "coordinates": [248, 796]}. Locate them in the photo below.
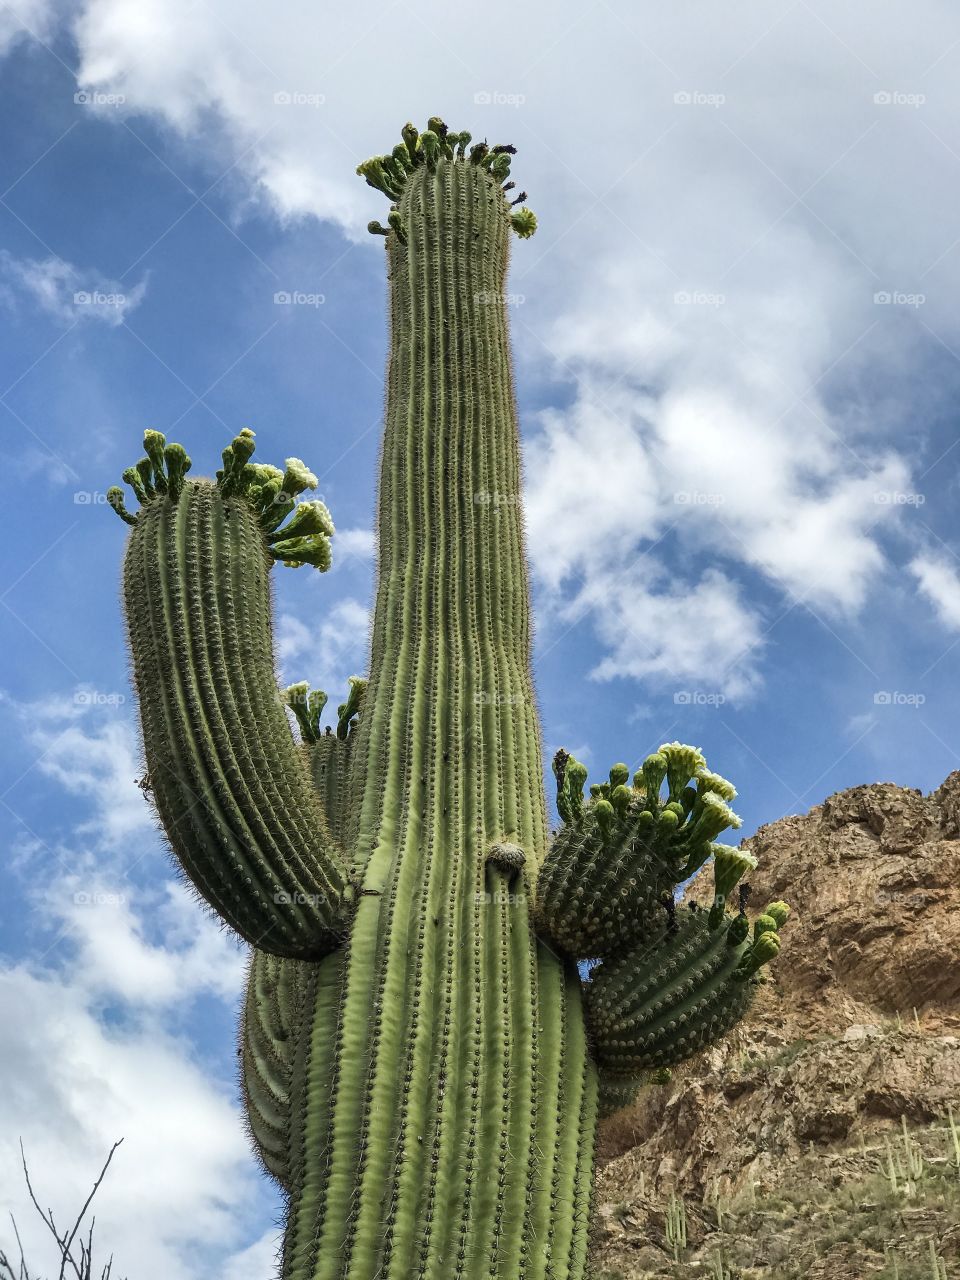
{"type": "Point", "coordinates": [654, 1007]}
{"type": "Point", "coordinates": [249, 829]}
{"type": "Point", "coordinates": [415, 1058]}
{"type": "Point", "coordinates": [610, 865]}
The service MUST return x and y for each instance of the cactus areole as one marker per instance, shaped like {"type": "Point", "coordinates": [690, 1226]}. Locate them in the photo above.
{"type": "Point", "coordinates": [422, 1066]}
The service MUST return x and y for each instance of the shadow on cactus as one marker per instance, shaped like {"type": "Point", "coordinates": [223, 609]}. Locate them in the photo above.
{"type": "Point", "coordinates": [422, 1064]}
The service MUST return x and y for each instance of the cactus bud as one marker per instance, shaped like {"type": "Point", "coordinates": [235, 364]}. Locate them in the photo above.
{"type": "Point", "coordinates": [347, 711]}
{"type": "Point", "coordinates": [688, 798]}
{"type": "Point", "coordinates": [178, 464]}
{"type": "Point", "coordinates": [764, 949]}
{"type": "Point", "coordinates": [619, 775]}
{"type": "Point", "coordinates": [396, 225]}
{"type": "Point", "coordinates": [621, 797]}
{"type": "Point", "coordinates": [402, 156]}
{"type": "Point", "coordinates": [411, 137]}
{"type": "Point", "coordinates": [524, 223]}
{"type": "Point", "coordinates": [132, 477]}
{"type": "Point", "coordinates": [737, 930]}
{"type": "Point", "coordinates": [153, 442]}
{"type": "Point", "coordinates": [500, 167]}
{"type": "Point", "coordinates": [777, 911]}
{"type": "Point", "coordinates": [145, 471]}
{"type": "Point", "coordinates": [570, 792]}
{"type": "Point", "coordinates": [235, 458]}
{"type": "Point", "coordinates": [764, 924]}
{"type": "Point", "coordinates": [667, 822]}
{"type": "Point", "coordinates": [606, 815]}
{"type": "Point", "coordinates": [651, 776]}
{"type": "Point", "coordinates": [729, 865]}
{"type": "Point", "coordinates": [115, 499]}
{"type": "Point", "coordinates": [682, 764]}
{"type": "Point", "coordinates": [431, 147]}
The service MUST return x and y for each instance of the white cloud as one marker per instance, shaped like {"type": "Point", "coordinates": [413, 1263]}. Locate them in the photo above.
{"type": "Point", "coordinates": [183, 1177]}
{"type": "Point", "coordinates": [259, 1260]}
{"type": "Point", "coordinates": [68, 293]}
{"type": "Point", "coordinates": [30, 18]}
{"type": "Point", "coordinates": [358, 544]}
{"type": "Point", "coordinates": [326, 652]}
{"type": "Point", "coordinates": [697, 639]}
{"type": "Point", "coordinates": [87, 744]}
{"type": "Point", "coordinates": [106, 919]}
{"type": "Point", "coordinates": [592, 489]}
{"type": "Point", "coordinates": [96, 1017]}
{"type": "Point", "coordinates": [796, 504]}
{"type": "Point", "coordinates": [940, 583]}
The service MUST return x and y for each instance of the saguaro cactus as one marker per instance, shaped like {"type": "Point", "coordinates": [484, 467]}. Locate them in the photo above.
{"type": "Point", "coordinates": [416, 1061]}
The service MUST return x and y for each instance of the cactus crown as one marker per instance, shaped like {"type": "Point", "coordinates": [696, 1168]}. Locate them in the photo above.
{"type": "Point", "coordinates": [272, 493]}
{"type": "Point", "coordinates": [433, 148]}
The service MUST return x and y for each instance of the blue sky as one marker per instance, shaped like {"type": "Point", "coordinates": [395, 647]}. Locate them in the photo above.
{"type": "Point", "coordinates": [736, 352]}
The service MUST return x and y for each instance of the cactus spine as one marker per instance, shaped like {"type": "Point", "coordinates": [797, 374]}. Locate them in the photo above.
{"type": "Point", "coordinates": [415, 1054]}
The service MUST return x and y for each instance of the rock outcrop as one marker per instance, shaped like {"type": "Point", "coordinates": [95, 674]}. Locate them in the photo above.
{"type": "Point", "coordinates": [842, 1074]}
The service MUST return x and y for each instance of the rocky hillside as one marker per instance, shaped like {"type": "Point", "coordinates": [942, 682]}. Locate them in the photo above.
{"type": "Point", "coordinates": [815, 1141]}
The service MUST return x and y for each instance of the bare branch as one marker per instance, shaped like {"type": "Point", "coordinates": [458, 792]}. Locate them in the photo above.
{"type": "Point", "coordinates": [82, 1270]}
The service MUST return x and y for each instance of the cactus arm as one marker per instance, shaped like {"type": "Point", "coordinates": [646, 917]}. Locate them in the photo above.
{"type": "Point", "coordinates": [617, 854]}
{"type": "Point", "coordinates": [658, 1003]}
{"type": "Point", "coordinates": [328, 760]}
{"type": "Point", "coordinates": [272, 1013]}
{"type": "Point", "coordinates": [229, 782]}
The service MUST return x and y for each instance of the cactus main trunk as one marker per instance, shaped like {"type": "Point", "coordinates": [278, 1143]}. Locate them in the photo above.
{"type": "Point", "coordinates": [457, 1137]}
